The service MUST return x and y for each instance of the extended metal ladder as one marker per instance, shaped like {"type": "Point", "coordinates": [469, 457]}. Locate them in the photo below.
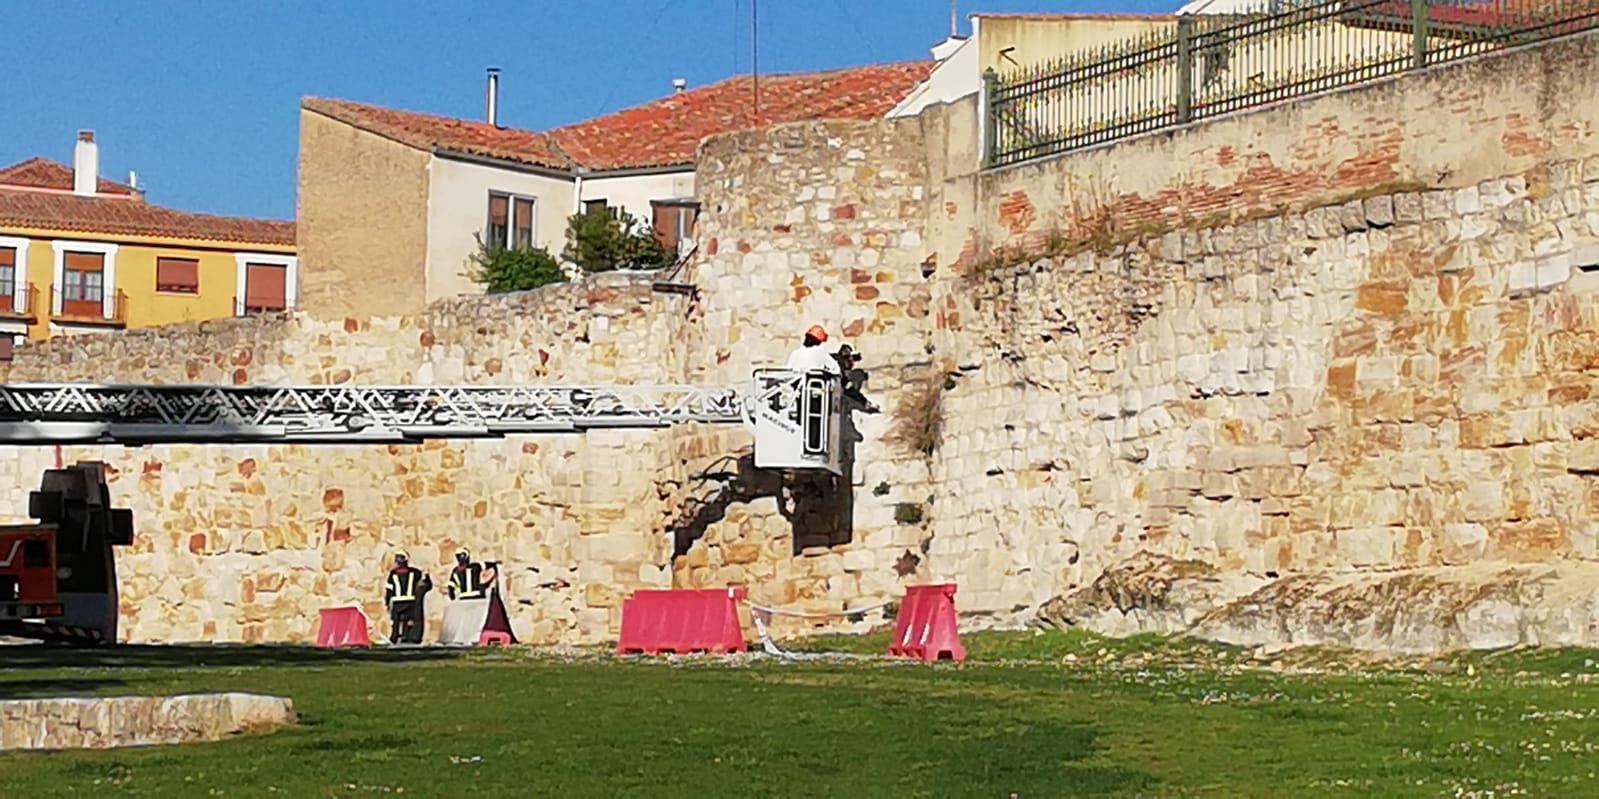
{"type": "Point", "coordinates": [65, 413]}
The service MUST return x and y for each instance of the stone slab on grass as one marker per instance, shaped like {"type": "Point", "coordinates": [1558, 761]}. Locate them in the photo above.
{"type": "Point", "coordinates": [117, 721]}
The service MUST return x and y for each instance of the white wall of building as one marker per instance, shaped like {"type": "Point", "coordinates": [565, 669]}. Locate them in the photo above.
{"type": "Point", "coordinates": [458, 207]}
{"type": "Point", "coordinates": [955, 77]}
{"type": "Point", "coordinates": [634, 192]}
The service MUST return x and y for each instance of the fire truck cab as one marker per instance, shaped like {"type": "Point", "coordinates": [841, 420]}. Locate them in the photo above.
{"type": "Point", "coordinates": [58, 576]}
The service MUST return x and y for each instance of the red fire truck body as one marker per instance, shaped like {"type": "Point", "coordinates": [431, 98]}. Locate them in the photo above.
{"type": "Point", "coordinates": [28, 572]}
{"type": "Point", "coordinates": [58, 575]}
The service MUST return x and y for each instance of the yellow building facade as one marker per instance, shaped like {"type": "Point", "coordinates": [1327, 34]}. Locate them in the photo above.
{"type": "Point", "coordinates": [80, 254]}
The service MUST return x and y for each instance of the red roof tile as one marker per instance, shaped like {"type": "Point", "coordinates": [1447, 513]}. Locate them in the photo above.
{"type": "Point", "coordinates": [666, 131]}
{"type": "Point", "coordinates": [427, 131]}
{"type": "Point", "coordinates": [661, 133]}
{"type": "Point", "coordinates": [43, 173]}
{"type": "Point", "coordinates": [52, 211]}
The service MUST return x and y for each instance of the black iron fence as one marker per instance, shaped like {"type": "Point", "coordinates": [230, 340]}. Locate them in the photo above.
{"type": "Point", "coordinates": [1203, 66]}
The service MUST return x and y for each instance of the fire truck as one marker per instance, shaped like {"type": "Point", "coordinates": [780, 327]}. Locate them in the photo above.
{"type": "Point", "coordinates": [58, 573]}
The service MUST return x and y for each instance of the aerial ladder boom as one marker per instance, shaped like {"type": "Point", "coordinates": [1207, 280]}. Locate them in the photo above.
{"type": "Point", "coordinates": [58, 576]}
{"type": "Point", "coordinates": [62, 413]}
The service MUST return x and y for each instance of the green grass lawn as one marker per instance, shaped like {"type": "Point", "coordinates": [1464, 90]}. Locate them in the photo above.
{"type": "Point", "coordinates": [1058, 714]}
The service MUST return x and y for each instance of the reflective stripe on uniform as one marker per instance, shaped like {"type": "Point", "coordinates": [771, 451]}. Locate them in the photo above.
{"type": "Point", "coordinates": [404, 585]}
{"type": "Point", "coordinates": [466, 587]}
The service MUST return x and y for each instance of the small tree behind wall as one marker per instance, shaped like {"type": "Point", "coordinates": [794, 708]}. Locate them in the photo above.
{"type": "Point", "coordinates": [499, 269]}
{"type": "Point", "coordinates": [601, 241]}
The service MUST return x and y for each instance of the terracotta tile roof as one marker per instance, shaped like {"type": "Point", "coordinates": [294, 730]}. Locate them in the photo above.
{"type": "Point", "coordinates": [427, 131]}
{"type": "Point", "coordinates": [660, 133]}
{"type": "Point", "coordinates": [665, 132]}
{"type": "Point", "coordinates": [70, 212]}
{"type": "Point", "coordinates": [43, 173]}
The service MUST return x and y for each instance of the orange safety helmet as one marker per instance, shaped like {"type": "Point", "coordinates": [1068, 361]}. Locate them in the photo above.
{"type": "Point", "coordinates": [816, 332]}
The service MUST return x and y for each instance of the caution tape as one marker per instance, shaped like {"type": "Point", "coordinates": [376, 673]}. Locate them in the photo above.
{"type": "Point", "coordinates": [824, 615]}
{"type": "Point", "coordinates": [771, 648]}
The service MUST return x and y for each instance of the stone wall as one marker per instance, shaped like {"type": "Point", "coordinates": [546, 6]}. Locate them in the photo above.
{"type": "Point", "coordinates": [1449, 127]}
{"type": "Point", "coordinates": [1378, 379]}
{"type": "Point", "coordinates": [247, 542]}
{"type": "Point", "coordinates": [812, 223]}
{"type": "Point", "coordinates": [1387, 383]}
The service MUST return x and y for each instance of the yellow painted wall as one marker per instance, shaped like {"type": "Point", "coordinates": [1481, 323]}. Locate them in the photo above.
{"type": "Point", "coordinates": [135, 276]}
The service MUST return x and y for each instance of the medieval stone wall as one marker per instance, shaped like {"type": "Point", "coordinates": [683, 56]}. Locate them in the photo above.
{"type": "Point", "coordinates": [1448, 127]}
{"type": "Point", "coordinates": [1382, 376]}
{"type": "Point", "coordinates": [1393, 382]}
{"type": "Point", "coordinates": [812, 223]}
{"type": "Point", "coordinates": [247, 542]}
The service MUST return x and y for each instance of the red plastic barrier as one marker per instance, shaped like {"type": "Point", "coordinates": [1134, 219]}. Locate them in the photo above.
{"type": "Point", "coordinates": [344, 626]}
{"type": "Point", "coordinates": [493, 638]}
{"type": "Point", "coordinates": [925, 628]}
{"type": "Point", "coordinates": [683, 621]}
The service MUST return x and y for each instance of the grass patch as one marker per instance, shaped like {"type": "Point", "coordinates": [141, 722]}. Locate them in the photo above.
{"type": "Point", "coordinates": [918, 424]}
{"type": "Point", "coordinates": [1035, 714]}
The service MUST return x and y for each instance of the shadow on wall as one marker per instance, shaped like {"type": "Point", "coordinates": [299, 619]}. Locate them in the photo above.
{"type": "Point", "coordinates": [819, 506]}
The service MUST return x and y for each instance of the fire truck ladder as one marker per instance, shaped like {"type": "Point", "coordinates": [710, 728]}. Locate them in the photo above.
{"type": "Point", "coordinates": [66, 413]}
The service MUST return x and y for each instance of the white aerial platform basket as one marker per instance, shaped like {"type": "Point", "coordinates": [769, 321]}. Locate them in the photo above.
{"type": "Point", "coordinates": [796, 418]}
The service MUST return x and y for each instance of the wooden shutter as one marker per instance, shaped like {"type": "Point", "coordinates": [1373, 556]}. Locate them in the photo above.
{"type": "Point", "coordinates": [522, 221]}
{"type": "Point", "coordinates": [84, 261]}
{"type": "Point", "coordinates": [180, 275]}
{"type": "Point", "coordinates": [499, 211]}
{"type": "Point", "coordinates": [8, 275]}
{"type": "Point", "coordinates": [664, 220]}
{"type": "Point", "coordinates": [265, 287]}
{"type": "Point", "coordinates": [83, 284]}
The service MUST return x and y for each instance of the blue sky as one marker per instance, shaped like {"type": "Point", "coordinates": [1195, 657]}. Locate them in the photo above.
{"type": "Point", "coordinates": [200, 97]}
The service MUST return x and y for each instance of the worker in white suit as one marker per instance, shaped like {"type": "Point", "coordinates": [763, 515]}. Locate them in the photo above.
{"type": "Point", "coordinates": [811, 356]}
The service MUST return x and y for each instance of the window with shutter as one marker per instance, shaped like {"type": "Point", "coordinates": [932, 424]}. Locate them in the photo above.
{"type": "Point", "coordinates": [497, 233]}
{"type": "Point", "coordinates": [177, 275]}
{"type": "Point", "coordinates": [265, 287]}
{"type": "Point", "coordinates": [83, 284]}
{"type": "Point", "coordinates": [8, 274]}
{"type": "Point", "coordinates": [522, 222]}
{"type": "Point", "coordinates": [664, 220]}
{"type": "Point", "coordinates": [673, 223]}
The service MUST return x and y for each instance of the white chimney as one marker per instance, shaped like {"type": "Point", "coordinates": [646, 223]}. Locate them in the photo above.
{"type": "Point", "coordinates": [85, 165]}
{"type": "Point", "coordinates": [678, 85]}
{"type": "Point", "coordinates": [133, 180]}
{"type": "Point", "coordinates": [491, 101]}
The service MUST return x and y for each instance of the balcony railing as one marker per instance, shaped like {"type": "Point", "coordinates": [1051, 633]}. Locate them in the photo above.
{"type": "Point", "coordinates": [75, 311]}
{"type": "Point", "coordinates": [244, 307]}
{"type": "Point", "coordinates": [19, 304]}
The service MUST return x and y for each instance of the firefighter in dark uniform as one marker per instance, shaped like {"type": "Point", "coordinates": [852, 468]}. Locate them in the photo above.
{"type": "Point", "coordinates": [467, 579]}
{"type": "Point", "coordinates": [403, 595]}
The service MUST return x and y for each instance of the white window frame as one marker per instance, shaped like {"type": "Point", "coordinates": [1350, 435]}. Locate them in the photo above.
{"type": "Point", "coordinates": [108, 281]}
{"type": "Point", "coordinates": [18, 294]}
{"type": "Point", "coordinates": [510, 218]}
{"type": "Point", "coordinates": [291, 276]}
